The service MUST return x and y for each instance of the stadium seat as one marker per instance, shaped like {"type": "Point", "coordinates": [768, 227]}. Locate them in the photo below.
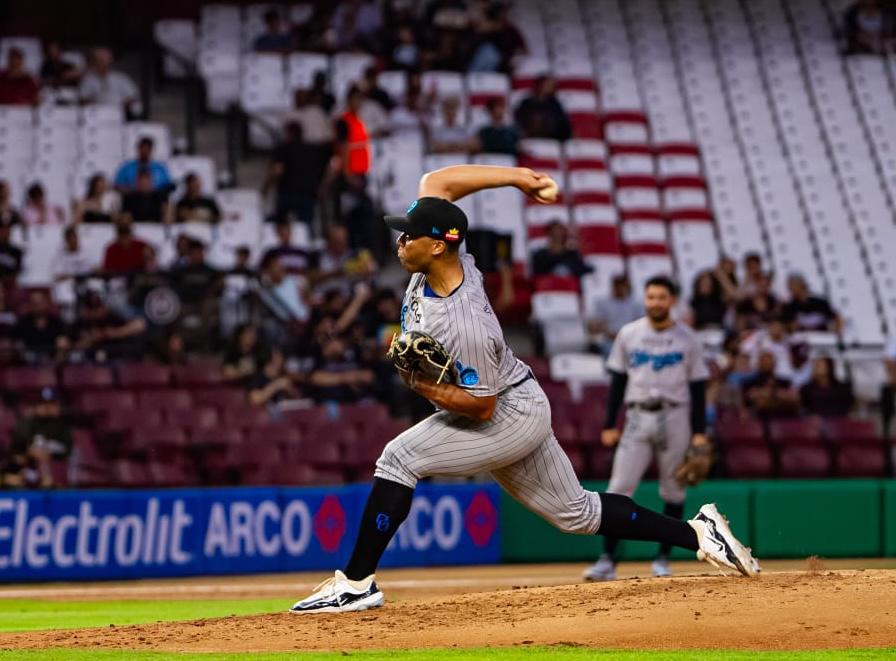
{"type": "Point", "coordinates": [87, 377]}
{"type": "Point", "coordinates": [745, 432]}
{"type": "Point", "coordinates": [166, 399]}
{"type": "Point", "coordinates": [23, 380]}
{"type": "Point", "coordinates": [143, 375]}
{"type": "Point", "coordinates": [795, 431]}
{"type": "Point", "coordinates": [106, 400]}
{"type": "Point", "coordinates": [747, 461]}
{"type": "Point", "coordinates": [199, 376]}
{"type": "Point", "coordinates": [804, 461]}
{"type": "Point", "coordinates": [194, 418]}
{"type": "Point", "coordinates": [858, 449]}
{"type": "Point", "coordinates": [125, 419]}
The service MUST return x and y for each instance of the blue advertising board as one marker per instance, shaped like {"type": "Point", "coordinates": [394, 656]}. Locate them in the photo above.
{"type": "Point", "coordinates": [86, 535]}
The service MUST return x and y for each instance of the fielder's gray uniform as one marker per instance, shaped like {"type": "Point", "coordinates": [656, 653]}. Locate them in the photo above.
{"type": "Point", "coordinates": [660, 366]}
{"type": "Point", "coordinates": [517, 445]}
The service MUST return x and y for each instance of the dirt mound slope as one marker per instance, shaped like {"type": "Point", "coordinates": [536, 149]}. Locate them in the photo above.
{"type": "Point", "coordinates": [787, 610]}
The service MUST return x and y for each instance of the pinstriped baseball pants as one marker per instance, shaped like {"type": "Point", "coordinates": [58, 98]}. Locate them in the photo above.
{"type": "Point", "coordinates": [516, 446]}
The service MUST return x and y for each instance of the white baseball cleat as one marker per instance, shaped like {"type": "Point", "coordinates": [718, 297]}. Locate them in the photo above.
{"type": "Point", "coordinates": [660, 567]}
{"type": "Point", "coordinates": [340, 595]}
{"type": "Point", "coordinates": [718, 545]}
{"type": "Point", "coordinates": [602, 570]}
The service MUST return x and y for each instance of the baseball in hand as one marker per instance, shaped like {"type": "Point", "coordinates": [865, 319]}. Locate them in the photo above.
{"type": "Point", "coordinates": [547, 193]}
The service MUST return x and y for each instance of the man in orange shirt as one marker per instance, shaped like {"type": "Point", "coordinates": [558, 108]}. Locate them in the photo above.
{"type": "Point", "coordinates": [353, 150]}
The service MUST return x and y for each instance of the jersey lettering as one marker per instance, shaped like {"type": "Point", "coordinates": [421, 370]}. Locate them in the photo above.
{"type": "Point", "coordinates": [658, 361]}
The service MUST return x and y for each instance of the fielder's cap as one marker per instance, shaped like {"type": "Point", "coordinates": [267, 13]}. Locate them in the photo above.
{"type": "Point", "coordinates": [432, 217]}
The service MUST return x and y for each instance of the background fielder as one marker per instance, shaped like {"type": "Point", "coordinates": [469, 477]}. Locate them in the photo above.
{"type": "Point", "coordinates": [496, 417]}
{"type": "Point", "coordinates": [657, 370]}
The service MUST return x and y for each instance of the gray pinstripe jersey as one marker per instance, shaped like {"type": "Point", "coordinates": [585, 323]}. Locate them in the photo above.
{"type": "Point", "coordinates": [466, 325]}
{"type": "Point", "coordinates": [659, 364]}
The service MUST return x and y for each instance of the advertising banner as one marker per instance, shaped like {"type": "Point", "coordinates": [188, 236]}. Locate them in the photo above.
{"type": "Point", "coordinates": [72, 535]}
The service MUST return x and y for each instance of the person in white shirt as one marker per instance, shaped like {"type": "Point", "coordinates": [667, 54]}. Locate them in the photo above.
{"type": "Point", "coordinates": [606, 316]}
{"type": "Point", "coordinates": [102, 85]}
{"type": "Point", "coordinates": [452, 135]}
{"type": "Point", "coordinates": [70, 262]}
{"type": "Point", "coordinates": [772, 339]}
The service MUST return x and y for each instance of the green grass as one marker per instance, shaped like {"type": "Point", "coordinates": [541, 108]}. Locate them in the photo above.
{"type": "Point", "coordinates": [34, 614]}
{"type": "Point", "coordinates": [557, 653]}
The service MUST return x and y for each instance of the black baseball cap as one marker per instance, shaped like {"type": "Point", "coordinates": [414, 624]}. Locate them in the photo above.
{"type": "Point", "coordinates": [433, 217]}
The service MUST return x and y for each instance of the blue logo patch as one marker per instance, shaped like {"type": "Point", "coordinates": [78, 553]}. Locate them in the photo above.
{"type": "Point", "coordinates": [383, 522]}
{"type": "Point", "coordinates": [435, 230]}
{"type": "Point", "coordinates": [412, 207]}
{"type": "Point", "coordinates": [467, 375]}
{"type": "Point", "coordinates": [657, 361]}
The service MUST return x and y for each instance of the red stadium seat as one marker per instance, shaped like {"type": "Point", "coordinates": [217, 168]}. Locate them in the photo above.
{"type": "Point", "coordinates": [363, 415]}
{"type": "Point", "coordinates": [540, 366]}
{"type": "Point", "coordinates": [740, 432]}
{"type": "Point", "coordinates": [567, 433]}
{"type": "Point", "coordinates": [144, 375]}
{"type": "Point", "coordinates": [217, 437]}
{"type": "Point", "coordinates": [107, 400]}
{"type": "Point", "coordinates": [795, 431]}
{"type": "Point", "coordinates": [337, 433]}
{"type": "Point", "coordinates": [26, 379]}
{"type": "Point", "coordinates": [245, 417]}
{"type": "Point", "coordinates": [165, 399]}
{"type": "Point", "coordinates": [306, 418]}
{"type": "Point", "coordinates": [804, 461]}
{"type": "Point", "coordinates": [576, 456]}
{"type": "Point", "coordinates": [176, 474]}
{"type": "Point", "coordinates": [198, 417]}
{"type": "Point", "coordinates": [87, 377]}
{"type": "Point", "coordinates": [600, 462]}
{"type": "Point", "coordinates": [274, 434]}
{"type": "Point", "coordinates": [123, 419]}
{"type": "Point", "coordinates": [748, 461]}
{"type": "Point", "coordinates": [130, 473]}
{"type": "Point", "coordinates": [858, 449]}
{"type": "Point", "coordinates": [198, 376]}
{"type": "Point", "coordinates": [222, 398]}
{"type": "Point", "coordinates": [556, 283]}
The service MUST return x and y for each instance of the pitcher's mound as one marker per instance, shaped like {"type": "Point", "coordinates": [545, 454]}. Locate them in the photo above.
{"type": "Point", "coordinates": [805, 610]}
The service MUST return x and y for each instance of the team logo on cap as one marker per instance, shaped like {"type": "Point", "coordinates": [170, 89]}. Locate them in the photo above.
{"type": "Point", "coordinates": [412, 207]}
{"type": "Point", "coordinates": [452, 235]}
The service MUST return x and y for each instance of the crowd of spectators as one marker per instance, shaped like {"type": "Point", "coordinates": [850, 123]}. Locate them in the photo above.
{"type": "Point", "coordinates": [869, 28]}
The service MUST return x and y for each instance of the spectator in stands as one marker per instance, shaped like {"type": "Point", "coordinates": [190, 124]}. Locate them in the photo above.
{"type": "Point", "coordinates": [405, 51]}
{"type": "Point", "coordinates": [69, 263]}
{"type": "Point", "coordinates": [381, 316]}
{"type": "Point", "coordinates": [296, 173]}
{"type": "Point", "coordinates": [242, 257]}
{"type": "Point", "coordinates": [354, 25]}
{"type": "Point", "coordinates": [408, 115]}
{"type": "Point", "coordinates": [9, 323]}
{"type": "Point", "coordinates": [338, 374]}
{"type": "Point", "coordinates": [196, 283]}
{"type": "Point", "coordinates": [101, 204]}
{"type": "Point", "coordinates": [245, 356]}
{"type": "Point", "coordinates": [825, 395]}
{"type": "Point", "coordinates": [172, 350]}
{"type": "Point", "coordinates": [319, 93]}
{"type": "Point", "coordinates": [129, 172]}
{"type": "Point", "coordinates": [103, 334]}
{"type": "Point", "coordinates": [708, 304]}
{"type": "Point", "coordinates": [145, 204]}
{"type": "Point", "coordinates": [497, 39]}
{"type": "Point", "coordinates": [371, 87]}
{"type": "Point", "coordinates": [103, 85]}
{"type": "Point", "coordinates": [760, 307]}
{"type": "Point", "coordinates": [754, 277]}
{"type": "Point", "coordinates": [452, 134]}
{"type": "Point", "coordinates": [288, 293]}
{"type": "Point", "coordinates": [540, 114]}
{"type": "Point", "coordinates": [181, 251]}
{"type": "Point", "coordinates": [37, 211]}
{"type": "Point", "coordinates": [869, 28]}
{"type": "Point", "coordinates": [41, 330]}
{"type": "Point", "coordinates": [316, 125]}
{"type": "Point", "coordinates": [767, 394]}
{"type": "Point", "coordinates": [56, 71]}
{"type": "Point", "coordinates": [605, 316]}
{"type": "Point", "coordinates": [10, 258]}
{"type": "Point", "coordinates": [276, 38]}
{"type": "Point", "coordinates": [888, 389]}
{"type": "Point", "coordinates": [194, 207]}
{"type": "Point", "coordinates": [41, 436]}
{"type": "Point", "coordinates": [558, 257]}
{"type": "Point", "coordinates": [498, 136]}
{"type": "Point", "coordinates": [339, 264]}
{"type": "Point", "coordinates": [126, 254]}
{"type": "Point", "coordinates": [296, 260]}
{"type": "Point", "coordinates": [773, 339]}
{"type": "Point", "coordinates": [449, 53]}
{"type": "Point", "coordinates": [8, 214]}
{"type": "Point", "coordinates": [271, 384]}
{"type": "Point", "coordinates": [17, 86]}
{"type": "Point", "coordinates": [804, 312]}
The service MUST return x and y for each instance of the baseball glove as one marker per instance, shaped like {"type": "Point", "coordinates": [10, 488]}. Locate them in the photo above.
{"type": "Point", "coordinates": [417, 355]}
{"type": "Point", "coordinates": [695, 467]}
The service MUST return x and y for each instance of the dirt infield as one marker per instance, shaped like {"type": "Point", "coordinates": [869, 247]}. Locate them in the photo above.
{"type": "Point", "coordinates": [814, 609]}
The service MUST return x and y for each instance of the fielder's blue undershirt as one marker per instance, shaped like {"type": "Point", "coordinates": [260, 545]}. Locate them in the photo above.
{"type": "Point", "coordinates": [428, 291]}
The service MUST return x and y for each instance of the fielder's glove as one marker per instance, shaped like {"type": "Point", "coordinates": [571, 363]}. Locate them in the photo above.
{"type": "Point", "coordinates": [695, 467]}
{"type": "Point", "coordinates": [417, 355]}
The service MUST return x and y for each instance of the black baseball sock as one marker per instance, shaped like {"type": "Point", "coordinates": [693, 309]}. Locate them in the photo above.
{"type": "Point", "coordinates": [674, 511]}
{"type": "Point", "coordinates": [387, 507]}
{"type": "Point", "coordinates": [621, 517]}
{"type": "Point", "coordinates": [611, 544]}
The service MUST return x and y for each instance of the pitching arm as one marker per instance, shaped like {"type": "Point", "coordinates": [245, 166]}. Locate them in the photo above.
{"type": "Point", "coordinates": [457, 181]}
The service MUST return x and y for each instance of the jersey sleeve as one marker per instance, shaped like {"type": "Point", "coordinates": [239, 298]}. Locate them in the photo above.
{"type": "Point", "coordinates": [478, 358]}
{"type": "Point", "coordinates": [697, 370]}
{"type": "Point", "coordinates": [618, 358]}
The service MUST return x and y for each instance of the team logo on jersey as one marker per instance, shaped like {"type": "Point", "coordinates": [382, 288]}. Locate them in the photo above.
{"type": "Point", "coordinates": [452, 235]}
{"type": "Point", "coordinates": [467, 375]}
{"type": "Point", "coordinates": [412, 206]}
{"type": "Point", "coordinates": [657, 361]}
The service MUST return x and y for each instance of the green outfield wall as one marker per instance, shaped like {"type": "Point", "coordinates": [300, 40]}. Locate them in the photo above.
{"type": "Point", "coordinates": [777, 518]}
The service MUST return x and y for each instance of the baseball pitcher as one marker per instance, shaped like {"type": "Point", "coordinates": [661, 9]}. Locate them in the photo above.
{"type": "Point", "coordinates": [657, 371]}
{"type": "Point", "coordinates": [491, 415]}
